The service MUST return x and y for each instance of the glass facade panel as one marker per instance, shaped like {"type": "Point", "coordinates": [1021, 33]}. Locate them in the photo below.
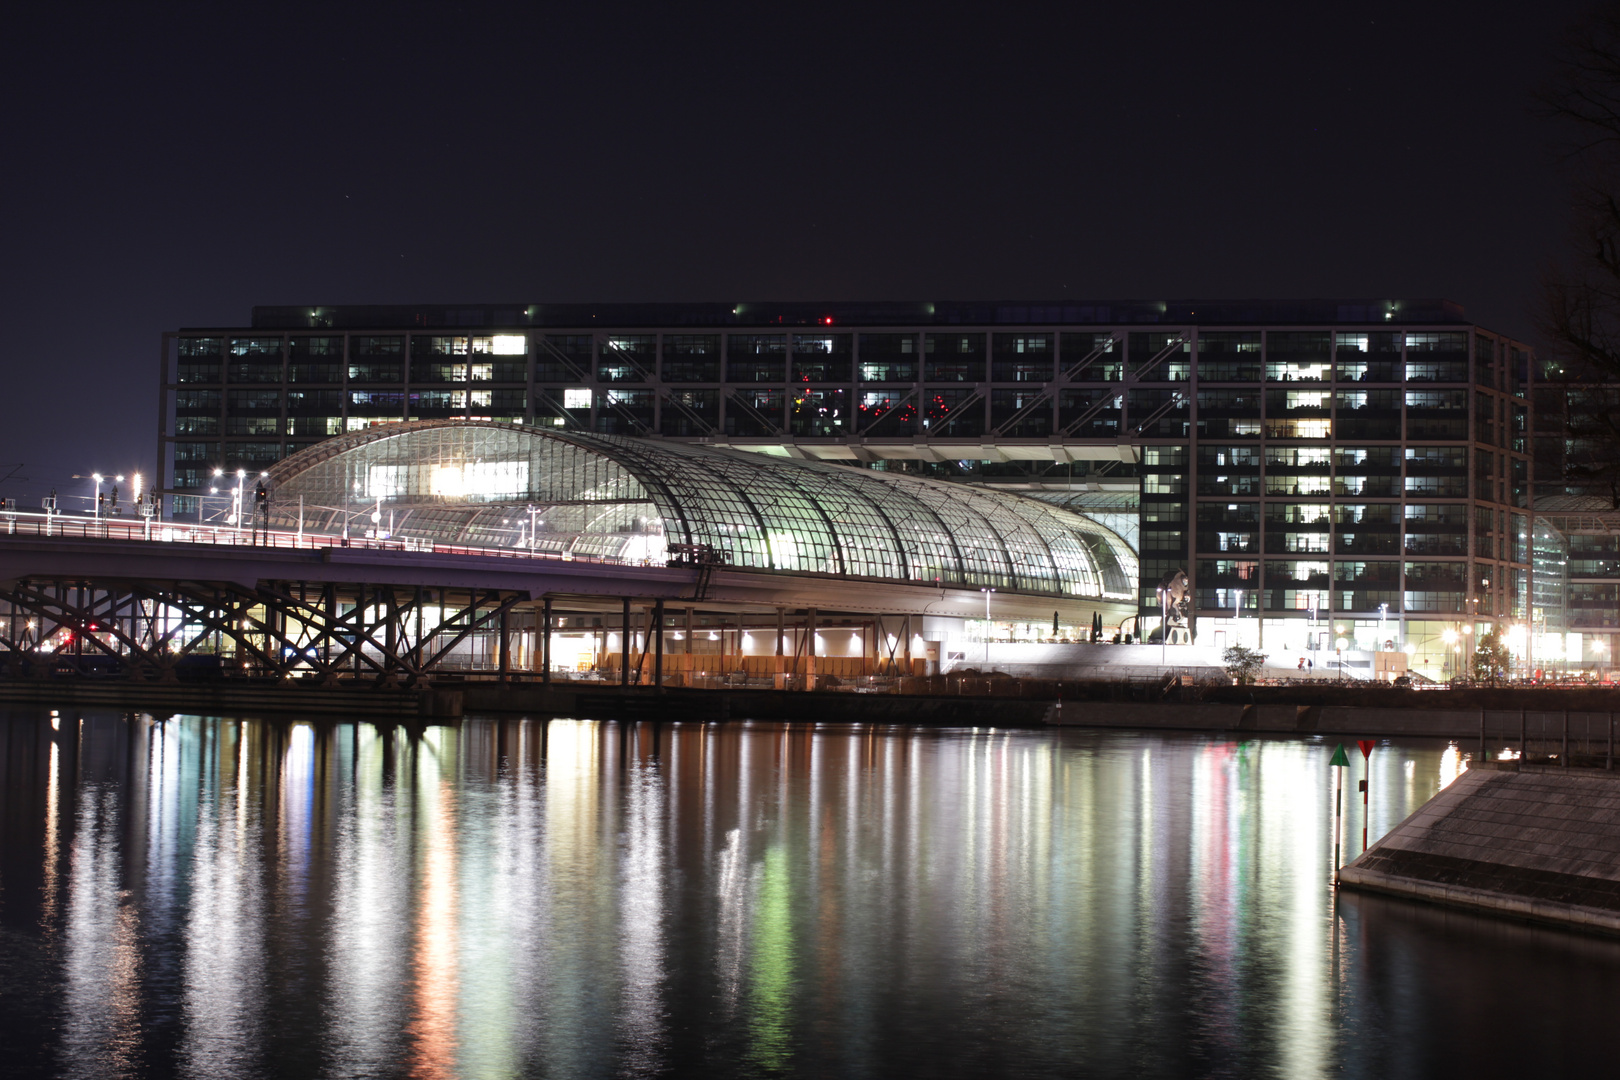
{"type": "Point", "coordinates": [822, 357]}
{"type": "Point", "coordinates": [948, 411]}
{"type": "Point", "coordinates": [1160, 356]}
{"type": "Point", "coordinates": [1092, 357]}
{"type": "Point", "coordinates": [954, 358]}
{"type": "Point", "coordinates": [626, 357]}
{"type": "Point", "coordinates": [1367, 356]}
{"type": "Point", "coordinates": [609, 496]}
{"type": "Point", "coordinates": [1022, 358]}
{"type": "Point", "coordinates": [563, 357]}
{"type": "Point", "coordinates": [1229, 356]}
{"type": "Point", "coordinates": [890, 358]}
{"type": "Point", "coordinates": [756, 358]}
{"type": "Point", "coordinates": [691, 358]}
{"type": "Point", "coordinates": [1298, 356]}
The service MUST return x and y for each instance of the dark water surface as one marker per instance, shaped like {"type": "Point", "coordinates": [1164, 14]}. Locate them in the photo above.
{"type": "Point", "coordinates": [220, 898]}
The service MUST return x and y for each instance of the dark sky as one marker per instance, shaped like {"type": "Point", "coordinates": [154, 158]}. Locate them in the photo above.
{"type": "Point", "coordinates": [174, 169]}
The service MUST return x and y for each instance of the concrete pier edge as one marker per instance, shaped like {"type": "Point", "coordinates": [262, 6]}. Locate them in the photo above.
{"type": "Point", "coordinates": [1522, 842]}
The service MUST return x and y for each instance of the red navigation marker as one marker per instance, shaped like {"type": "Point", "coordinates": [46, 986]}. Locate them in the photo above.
{"type": "Point", "coordinates": [1366, 755]}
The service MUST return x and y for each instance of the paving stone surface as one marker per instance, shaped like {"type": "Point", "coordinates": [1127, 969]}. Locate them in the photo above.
{"type": "Point", "coordinates": [1546, 839]}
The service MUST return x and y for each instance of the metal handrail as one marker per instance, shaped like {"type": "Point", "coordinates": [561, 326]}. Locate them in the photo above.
{"type": "Point", "coordinates": [69, 527]}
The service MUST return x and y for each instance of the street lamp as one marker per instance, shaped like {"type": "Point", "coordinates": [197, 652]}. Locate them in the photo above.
{"type": "Point", "coordinates": [213, 490]}
{"type": "Point", "coordinates": [346, 511]}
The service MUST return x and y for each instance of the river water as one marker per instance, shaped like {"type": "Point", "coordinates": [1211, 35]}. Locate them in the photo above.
{"type": "Point", "coordinates": [216, 897]}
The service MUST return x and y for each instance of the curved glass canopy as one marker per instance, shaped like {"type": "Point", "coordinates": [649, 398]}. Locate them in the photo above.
{"type": "Point", "coordinates": [505, 485]}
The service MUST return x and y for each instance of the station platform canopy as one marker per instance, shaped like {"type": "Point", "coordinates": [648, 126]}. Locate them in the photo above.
{"type": "Point", "coordinates": [477, 483]}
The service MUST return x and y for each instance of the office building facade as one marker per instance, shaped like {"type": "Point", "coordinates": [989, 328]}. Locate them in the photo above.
{"type": "Point", "coordinates": [1332, 476]}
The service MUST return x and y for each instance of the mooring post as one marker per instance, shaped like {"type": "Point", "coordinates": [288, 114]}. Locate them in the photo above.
{"type": "Point", "coordinates": [545, 643]}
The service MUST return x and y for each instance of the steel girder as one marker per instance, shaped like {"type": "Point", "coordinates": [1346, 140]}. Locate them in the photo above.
{"type": "Point", "coordinates": [379, 633]}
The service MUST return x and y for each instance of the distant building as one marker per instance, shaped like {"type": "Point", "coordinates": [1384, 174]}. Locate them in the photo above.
{"type": "Point", "coordinates": [1365, 460]}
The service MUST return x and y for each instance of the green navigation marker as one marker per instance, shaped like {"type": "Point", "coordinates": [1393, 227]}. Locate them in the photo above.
{"type": "Point", "coordinates": [1339, 758]}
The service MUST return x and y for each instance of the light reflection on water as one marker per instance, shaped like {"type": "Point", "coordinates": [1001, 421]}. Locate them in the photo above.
{"type": "Point", "coordinates": [225, 898]}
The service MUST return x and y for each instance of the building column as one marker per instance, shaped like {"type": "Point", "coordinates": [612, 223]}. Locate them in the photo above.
{"type": "Point", "coordinates": [545, 644]}
{"type": "Point", "coordinates": [505, 654]}
{"type": "Point", "coordinates": [359, 626]}
{"type": "Point", "coordinates": [624, 644]}
{"type": "Point", "coordinates": [658, 645]}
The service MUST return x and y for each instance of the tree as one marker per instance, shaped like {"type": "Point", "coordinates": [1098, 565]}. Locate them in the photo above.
{"type": "Point", "coordinates": [1579, 309]}
{"type": "Point", "coordinates": [1490, 660]}
{"type": "Point", "coordinates": [1243, 664]}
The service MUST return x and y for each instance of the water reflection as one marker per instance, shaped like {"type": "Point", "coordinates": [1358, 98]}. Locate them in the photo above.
{"type": "Point", "coordinates": [218, 897]}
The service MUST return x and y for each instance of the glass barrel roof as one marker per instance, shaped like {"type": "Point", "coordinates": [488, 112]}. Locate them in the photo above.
{"type": "Point", "coordinates": [505, 485]}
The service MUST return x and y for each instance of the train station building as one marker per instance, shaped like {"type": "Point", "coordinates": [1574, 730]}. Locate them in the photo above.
{"type": "Point", "coordinates": [1334, 478]}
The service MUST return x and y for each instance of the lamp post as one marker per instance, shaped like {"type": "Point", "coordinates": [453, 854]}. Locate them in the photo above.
{"type": "Point", "coordinates": [236, 497]}
{"type": "Point", "coordinates": [212, 490]}
{"type": "Point", "coordinates": [346, 511]}
{"type": "Point", "coordinates": [532, 523]}
{"type": "Point", "coordinates": [95, 498]}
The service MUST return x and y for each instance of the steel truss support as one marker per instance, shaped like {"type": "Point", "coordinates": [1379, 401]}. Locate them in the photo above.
{"type": "Point", "coordinates": [378, 633]}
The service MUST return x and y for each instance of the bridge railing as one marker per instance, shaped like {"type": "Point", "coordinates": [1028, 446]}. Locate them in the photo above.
{"type": "Point", "coordinates": [69, 527]}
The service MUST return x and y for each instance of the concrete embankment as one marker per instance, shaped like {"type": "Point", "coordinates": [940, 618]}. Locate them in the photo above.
{"type": "Point", "coordinates": [1538, 843]}
{"type": "Point", "coordinates": [234, 697]}
{"type": "Point", "coordinates": [1503, 726]}
{"type": "Point", "coordinates": [646, 703]}
{"type": "Point", "coordinates": [1548, 722]}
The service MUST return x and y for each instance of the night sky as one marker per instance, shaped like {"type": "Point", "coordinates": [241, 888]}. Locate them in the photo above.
{"type": "Point", "coordinates": [174, 169]}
